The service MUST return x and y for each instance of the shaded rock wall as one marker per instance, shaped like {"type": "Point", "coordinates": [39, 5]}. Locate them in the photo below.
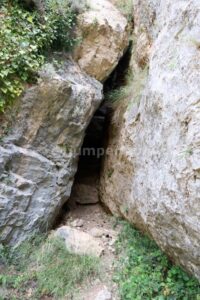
{"type": "Point", "coordinates": [38, 158]}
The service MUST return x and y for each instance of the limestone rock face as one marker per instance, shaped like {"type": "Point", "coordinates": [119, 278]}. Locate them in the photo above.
{"type": "Point", "coordinates": [104, 37]}
{"type": "Point", "coordinates": [151, 173]}
{"type": "Point", "coordinates": [38, 159]}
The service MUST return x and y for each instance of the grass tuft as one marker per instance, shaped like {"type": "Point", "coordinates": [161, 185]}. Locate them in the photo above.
{"type": "Point", "coordinates": [43, 267]}
{"type": "Point", "coordinates": [131, 91]}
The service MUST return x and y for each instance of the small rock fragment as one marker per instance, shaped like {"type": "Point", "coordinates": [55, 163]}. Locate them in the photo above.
{"type": "Point", "coordinates": [77, 223]}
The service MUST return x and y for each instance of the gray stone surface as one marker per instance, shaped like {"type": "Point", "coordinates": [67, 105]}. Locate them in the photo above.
{"type": "Point", "coordinates": [38, 159]}
{"type": "Point", "coordinates": [79, 242]}
{"type": "Point", "coordinates": [152, 176]}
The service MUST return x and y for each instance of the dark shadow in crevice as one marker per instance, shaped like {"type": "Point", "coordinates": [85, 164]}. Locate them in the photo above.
{"type": "Point", "coordinates": [118, 77]}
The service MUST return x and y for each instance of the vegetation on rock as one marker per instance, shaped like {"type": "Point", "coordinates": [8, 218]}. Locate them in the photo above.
{"type": "Point", "coordinates": [144, 272]}
{"type": "Point", "coordinates": [126, 8]}
{"type": "Point", "coordinates": [129, 93]}
{"type": "Point", "coordinates": [25, 40]}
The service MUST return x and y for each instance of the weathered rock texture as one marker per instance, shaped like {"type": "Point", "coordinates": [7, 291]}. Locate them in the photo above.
{"type": "Point", "coordinates": [38, 159]}
{"type": "Point", "coordinates": [104, 37]}
{"type": "Point", "coordinates": [152, 176]}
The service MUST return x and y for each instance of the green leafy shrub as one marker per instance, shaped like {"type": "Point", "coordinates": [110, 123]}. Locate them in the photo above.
{"type": "Point", "coordinates": [61, 18]}
{"type": "Point", "coordinates": [144, 272]}
{"type": "Point", "coordinates": [24, 40]}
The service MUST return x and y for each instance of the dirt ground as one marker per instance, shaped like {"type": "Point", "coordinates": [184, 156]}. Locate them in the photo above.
{"type": "Point", "coordinates": [95, 220]}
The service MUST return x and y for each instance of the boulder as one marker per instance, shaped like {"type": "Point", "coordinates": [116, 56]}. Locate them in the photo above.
{"type": "Point", "coordinates": [151, 173]}
{"type": "Point", "coordinates": [79, 242]}
{"type": "Point", "coordinates": [38, 158]}
{"type": "Point", "coordinates": [103, 33]}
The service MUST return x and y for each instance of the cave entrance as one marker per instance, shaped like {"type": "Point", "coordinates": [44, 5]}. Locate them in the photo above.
{"type": "Point", "coordinates": [86, 185]}
{"type": "Point", "coordinates": [85, 190]}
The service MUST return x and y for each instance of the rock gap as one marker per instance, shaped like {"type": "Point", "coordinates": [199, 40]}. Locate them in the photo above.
{"type": "Point", "coordinates": [118, 77]}
{"type": "Point", "coordinates": [85, 190]}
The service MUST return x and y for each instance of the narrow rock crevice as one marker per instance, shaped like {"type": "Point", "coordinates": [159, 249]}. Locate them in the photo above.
{"type": "Point", "coordinates": [85, 190]}
{"type": "Point", "coordinates": [118, 77]}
